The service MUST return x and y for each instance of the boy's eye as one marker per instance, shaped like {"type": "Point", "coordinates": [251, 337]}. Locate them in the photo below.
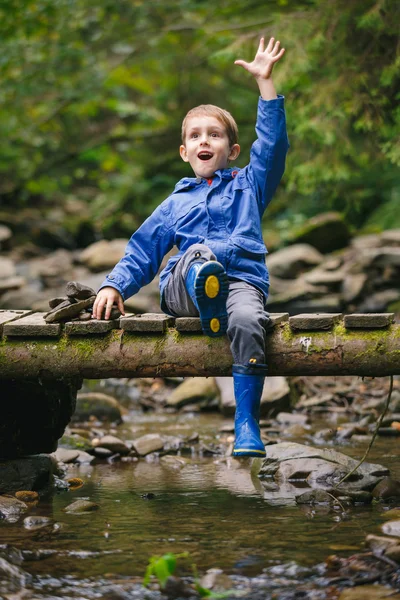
{"type": "Point", "coordinates": [193, 135]}
{"type": "Point", "coordinates": [214, 134]}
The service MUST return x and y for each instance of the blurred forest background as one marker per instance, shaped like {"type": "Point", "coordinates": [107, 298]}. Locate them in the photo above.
{"type": "Point", "coordinates": [92, 96]}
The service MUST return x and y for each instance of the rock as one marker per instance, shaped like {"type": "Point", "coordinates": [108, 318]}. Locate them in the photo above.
{"type": "Point", "coordinates": [293, 260]}
{"type": "Point", "coordinates": [174, 462]}
{"type": "Point", "coordinates": [369, 592]}
{"type": "Point", "coordinates": [194, 389]}
{"type": "Point", "coordinates": [27, 473]}
{"type": "Point", "coordinates": [387, 488]}
{"type": "Point", "coordinates": [75, 442]}
{"type": "Point", "coordinates": [216, 580]}
{"type": "Point", "coordinates": [315, 497]}
{"type": "Point", "coordinates": [81, 506]}
{"type": "Point", "coordinates": [5, 236]}
{"type": "Point", "coordinates": [391, 237]}
{"type": "Point", "coordinates": [13, 579]}
{"type": "Point", "coordinates": [353, 286]}
{"type": "Point", "coordinates": [379, 301]}
{"type": "Point", "coordinates": [84, 458]}
{"type": "Point", "coordinates": [103, 254]}
{"type": "Point", "coordinates": [112, 443]}
{"type": "Point", "coordinates": [11, 509]}
{"type": "Point", "coordinates": [327, 232]}
{"type": "Point", "coordinates": [392, 528]}
{"type": "Point", "coordinates": [54, 302]}
{"type": "Point", "coordinates": [7, 268]}
{"type": "Point", "coordinates": [65, 313]}
{"type": "Point", "coordinates": [102, 406]}
{"type": "Point", "coordinates": [66, 456]}
{"type": "Point", "coordinates": [36, 522]}
{"type": "Point", "coordinates": [146, 444]}
{"type": "Point", "coordinates": [290, 418]}
{"type": "Point", "coordinates": [276, 396]}
{"type": "Point", "coordinates": [287, 463]}
{"type": "Point", "coordinates": [79, 291]}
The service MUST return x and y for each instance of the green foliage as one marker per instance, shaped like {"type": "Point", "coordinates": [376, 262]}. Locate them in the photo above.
{"type": "Point", "coordinates": [92, 97]}
{"type": "Point", "coordinates": [164, 566]}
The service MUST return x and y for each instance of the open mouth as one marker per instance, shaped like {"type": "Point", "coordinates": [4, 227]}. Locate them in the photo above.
{"type": "Point", "coordinates": [205, 155]}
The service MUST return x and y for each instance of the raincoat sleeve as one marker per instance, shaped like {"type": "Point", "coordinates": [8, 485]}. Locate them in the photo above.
{"type": "Point", "coordinates": [143, 255]}
{"type": "Point", "coordinates": [268, 153]}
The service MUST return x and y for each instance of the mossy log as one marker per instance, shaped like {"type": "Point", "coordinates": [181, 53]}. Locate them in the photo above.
{"type": "Point", "coordinates": [118, 353]}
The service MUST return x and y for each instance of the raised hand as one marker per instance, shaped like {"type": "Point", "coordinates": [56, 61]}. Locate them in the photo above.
{"type": "Point", "coordinates": [264, 60]}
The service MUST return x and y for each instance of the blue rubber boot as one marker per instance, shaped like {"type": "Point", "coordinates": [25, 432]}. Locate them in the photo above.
{"type": "Point", "coordinates": [207, 285]}
{"type": "Point", "coordinates": [248, 384]}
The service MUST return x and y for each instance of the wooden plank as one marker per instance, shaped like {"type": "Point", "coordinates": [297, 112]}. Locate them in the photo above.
{"type": "Point", "coordinates": [368, 321]}
{"type": "Point", "coordinates": [11, 315]}
{"type": "Point", "coordinates": [147, 323]}
{"type": "Point", "coordinates": [318, 321]}
{"type": "Point", "coordinates": [32, 325]}
{"type": "Point", "coordinates": [90, 327]}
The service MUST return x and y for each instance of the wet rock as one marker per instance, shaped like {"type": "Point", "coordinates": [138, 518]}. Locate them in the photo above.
{"type": "Point", "coordinates": [103, 254]}
{"type": "Point", "coordinates": [66, 456]}
{"type": "Point", "coordinates": [315, 497]}
{"type": "Point", "coordinates": [81, 506]}
{"type": "Point", "coordinates": [29, 473]}
{"type": "Point", "coordinates": [174, 462]}
{"type": "Point", "coordinates": [75, 442]}
{"type": "Point", "coordinates": [387, 488]}
{"type": "Point", "coordinates": [293, 260]}
{"type": "Point", "coordinates": [288, 463]}
{"type": "Point", "coordinates": [11, 509]}
{"type": "Point", "coordinates": [146, 444]}
{"type": "Point", "coordinates": [175, 587]}
{"type": "Point", "coordinates": [84, 458]}
{"type": "Point", "coordinates": [112, 443]}
{"type": "Point", "coordinates": [194, 389]}
{"type": "Point", "coordinates": [369, 592]}
{"type": "Point", "coordinates": [392, 528]}
{"type": "Point", "coordinates": [37, 522]}
{"type": "Point", "coordinates": [291, 418]}
{"type": "Point", "coordinates": [68, 312]}
{"type": "Point", "coordinates": [7, 268]}
{"type": "Point", "coordinates": [102, 452]}
{"type": "Point", "coordinates": [101, 406]}
{"type": "Point", "coordinates": [216, 580]}
{"type": "Point", "coordinates": [12, 578]}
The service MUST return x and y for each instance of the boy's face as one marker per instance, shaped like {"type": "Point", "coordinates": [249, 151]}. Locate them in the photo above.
{"type": "Point", "coordinates": [206, 146]}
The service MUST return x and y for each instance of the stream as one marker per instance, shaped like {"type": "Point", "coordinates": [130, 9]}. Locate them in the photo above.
{"type": "Point", "coordinates": [212, 507]}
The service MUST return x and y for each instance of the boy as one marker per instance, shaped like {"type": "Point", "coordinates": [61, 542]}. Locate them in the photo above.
{"type": "Point", "coordinates": [214, 219]}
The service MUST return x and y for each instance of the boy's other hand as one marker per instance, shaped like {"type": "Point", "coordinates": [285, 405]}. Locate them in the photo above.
{"type": "Point", "coordinates": [264, 60]}
{"type": "Point", "coordinates": [105, 299]}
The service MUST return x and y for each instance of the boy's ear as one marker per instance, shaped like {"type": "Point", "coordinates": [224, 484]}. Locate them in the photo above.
{"type": "Point", "coordinates": [183, 153]}
{"type": "Point", "coordinates": [235, 151]}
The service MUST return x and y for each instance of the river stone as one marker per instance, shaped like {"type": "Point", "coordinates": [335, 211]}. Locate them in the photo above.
{"type": "Point", "coordinates": [65, 313]}
{"type": "Point", "coordinates": [102, 406]}
{"type": "Point", "coordinates": [36, 522]}
{"type": "Point", "coordinates": [103, 254]}
{"type": "Point", "coordinates": [81, 506]}
{"type": "Point", "coordinates": [369, 592]}
{"type": "Point", "coordinates": [391, 528]}
{"type": "Point", "coordinates": [11, 509]}
{"type": "Point", "coordinates": [353, 285]}
{"type": "Point", "coordinates": [288, 462]}
{"type": "Point", "coordinates": [293, 260]}
{"type": "Point", "coordinates": [78, 291]}
{"type": "Point", "coordinates": [66, 456]}
{"type": "Point", "coordinates": [75, 442]}
{"type": "Point", "coordinates": [84, 458]}
{"type": "Point", "coordinates": [315, 497]}
{"type": "Point", "coordinates": [391, 237]}
{"type": "Point", "coordinates": [192, 390]}
{"type": "Point", "coordinates": [285, 417]}
{"type": "Point", "coordinates": [387, 488]}
{"type": "Point", "coordinates": [7, 268]}
{"type": "Point", "coordinates": [276, 396]}
{"type": "Point", "coordinates": [54, 302]}
{"type": "Point", "coordinates": [13, 579]}
{"type": "Point", "coordinates": [216, 580]}
{"type": "Point", "coordinates": [27, 473]}
{"type": "Point", "coordinates": [147, 444]}
{"type": "Point", "coordinates": [112, 443]}
{"type": "Point", "coordinates": [5, 234]}
{"type": "Point", "coordinates": [327, 232]}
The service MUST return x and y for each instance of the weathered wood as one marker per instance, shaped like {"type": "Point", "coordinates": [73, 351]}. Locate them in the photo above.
{"type": "Point", "coordinates": [6, 316]}
{"type": "Point", "coordinates": [120, 353]}
{"type": "Point", "coordinates": [368, 321]}
{"type": "Point", "coordinates": [312, 322]}
{"type": "Point", "coordinates": [32, 325]}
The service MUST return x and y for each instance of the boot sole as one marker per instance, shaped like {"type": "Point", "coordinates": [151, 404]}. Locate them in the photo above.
{"type": "Point", "coordinates": [211, 289]}
{"type": "Point", "coordinates": [249, 452]}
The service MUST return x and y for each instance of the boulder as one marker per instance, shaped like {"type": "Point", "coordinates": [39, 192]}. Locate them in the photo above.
{"type": "Point", "coordinates": [28, 473]}
{"type": "Point", "coordinates": [101, 406]}
{"type": "Point", "coordinates": [103, 254]}
{"type": "Point", "coordinates": [293, 260]}
{"type": "Point", "coordinates": [192, 390]}
{"type": "Point", "coordinates": [327, 232]}
{"type": "Point", "coordinates": [147, 444]}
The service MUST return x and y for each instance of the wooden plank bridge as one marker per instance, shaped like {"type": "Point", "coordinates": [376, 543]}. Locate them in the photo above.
{"type": "Point", "coordinates": [152, 345]}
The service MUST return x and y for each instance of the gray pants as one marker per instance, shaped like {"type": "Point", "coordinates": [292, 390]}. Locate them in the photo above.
{"type": "Point", "coordinates": [247, 317]}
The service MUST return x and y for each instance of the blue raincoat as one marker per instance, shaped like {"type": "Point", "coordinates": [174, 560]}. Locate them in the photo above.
{"type": "Point", "coordinates": [224, 214]}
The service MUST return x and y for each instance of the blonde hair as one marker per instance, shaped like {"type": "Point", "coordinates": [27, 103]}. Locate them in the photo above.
{"type": "Point", "coordinates": [223, 116]}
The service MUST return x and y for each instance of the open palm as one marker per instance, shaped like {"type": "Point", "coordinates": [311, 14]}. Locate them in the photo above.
{"type": "Point", "coordinates": [264, 60]}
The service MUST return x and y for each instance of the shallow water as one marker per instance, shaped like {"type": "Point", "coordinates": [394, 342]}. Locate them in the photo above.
{"type": "Point", "coordinates": [212, 507]}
